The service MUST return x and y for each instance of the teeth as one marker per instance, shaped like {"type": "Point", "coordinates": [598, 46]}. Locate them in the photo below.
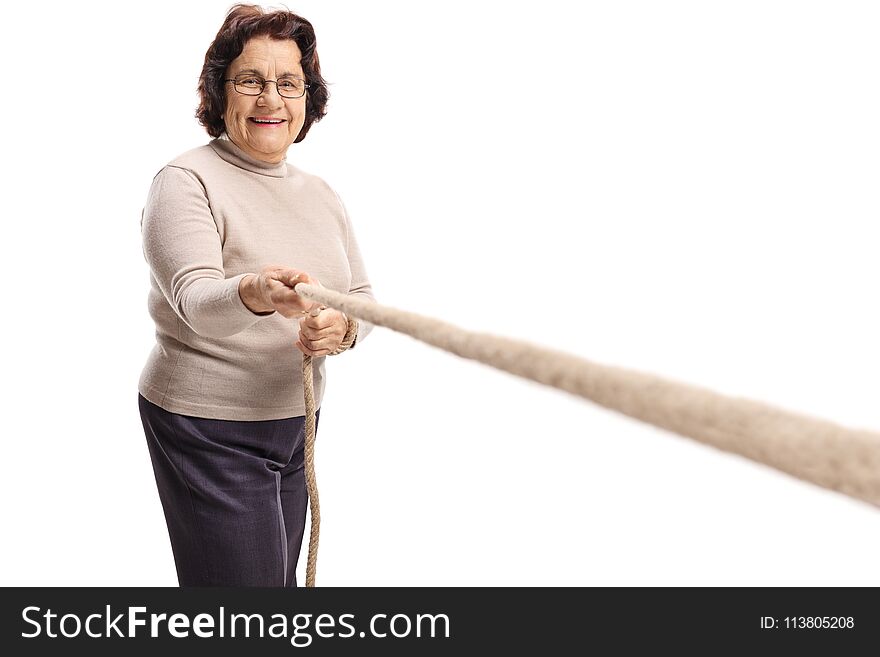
{"type": "Point", "coordinates": [264, 121]}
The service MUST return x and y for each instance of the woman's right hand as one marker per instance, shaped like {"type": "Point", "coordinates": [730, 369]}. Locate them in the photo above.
{"type": "Point", "coordinates": [272, 289]}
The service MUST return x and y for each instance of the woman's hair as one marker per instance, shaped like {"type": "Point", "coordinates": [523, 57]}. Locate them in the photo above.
{"type": "Point", "coordinates": [243, 22]}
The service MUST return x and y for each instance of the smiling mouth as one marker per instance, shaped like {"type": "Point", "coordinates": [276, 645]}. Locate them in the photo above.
{"type": "Point", "coordinates": [265, 122]}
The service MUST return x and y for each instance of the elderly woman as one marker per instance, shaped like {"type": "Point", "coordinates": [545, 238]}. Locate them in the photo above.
{"type": "Point", "coordinates": [228, 229]}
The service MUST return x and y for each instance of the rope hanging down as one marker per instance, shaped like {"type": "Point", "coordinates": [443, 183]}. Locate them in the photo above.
{"type": "Point", "coordinates": [311, 481]}
{"type": "Point", "coordinates": [311, 425]}
{"type": "Point", "coordinates": [811, 449]}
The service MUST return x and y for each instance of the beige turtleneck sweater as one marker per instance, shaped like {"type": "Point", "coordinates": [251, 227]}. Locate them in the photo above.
{"type": "Point", "coordinates": [214, 215]}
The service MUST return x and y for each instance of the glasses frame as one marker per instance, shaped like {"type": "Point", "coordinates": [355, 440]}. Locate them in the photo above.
{"type": "Point", "coordinates": [306, 86]}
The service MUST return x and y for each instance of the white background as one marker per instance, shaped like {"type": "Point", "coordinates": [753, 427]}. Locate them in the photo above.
{"type": "Point", "coordinates": [684, 188]}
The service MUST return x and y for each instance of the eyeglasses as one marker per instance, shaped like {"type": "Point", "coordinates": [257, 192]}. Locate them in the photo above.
{"type": "Point", "coordinates": [251, 85]}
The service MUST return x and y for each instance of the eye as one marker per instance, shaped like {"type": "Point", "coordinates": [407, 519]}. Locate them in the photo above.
{"type": "Point", "coordinates": [250, 82]}
{"type": "Point", "coordinates": [290, 83]}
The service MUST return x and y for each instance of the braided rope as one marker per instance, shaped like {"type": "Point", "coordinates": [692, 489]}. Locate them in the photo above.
{"type": "Point", "coordinates": [311, 426]}
{"type": "Point", "coordinates": [813, 450]}
{"type": "Point", "coordinates": [311, 481]}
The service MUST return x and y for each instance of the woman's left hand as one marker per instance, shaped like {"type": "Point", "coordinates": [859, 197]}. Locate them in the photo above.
{"type": "Point", "coordinates": [321, 334]}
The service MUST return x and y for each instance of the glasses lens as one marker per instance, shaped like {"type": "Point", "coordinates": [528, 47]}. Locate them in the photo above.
{"type": "Point", "coordinates": [291, 87]}
{"type": "Point", "coordinates": [249, 85]}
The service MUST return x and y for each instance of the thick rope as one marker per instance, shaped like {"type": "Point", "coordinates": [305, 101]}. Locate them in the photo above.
{"type": "Point", "coordinates": [311, 428]}
{"type": "Point", "coordinates": [814, 450]}
{"type": "Point", "coordinates": [311, 481]}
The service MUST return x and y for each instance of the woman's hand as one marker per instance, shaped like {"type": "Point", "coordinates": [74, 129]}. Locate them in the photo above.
{"type": "Point", "coordinates": [272, 289]}
{"type": "Point", "coordinates": [320, 334]}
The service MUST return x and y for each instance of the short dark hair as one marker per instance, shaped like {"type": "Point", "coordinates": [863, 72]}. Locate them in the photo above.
{"type": "Point", "coordinates": [243, 22]}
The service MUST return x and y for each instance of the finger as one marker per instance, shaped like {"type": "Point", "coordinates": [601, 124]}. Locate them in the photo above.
{"type": "Point", "coordinates": [327, 318]}
{"type": "Point", "coordinates": [320, 334]}
{"type": "Point", "coordinates": [326, 324]}
{"type": "Point", "coordinates": [313, 327]}
{"type": "Point", "coordinates": [288, 277]}
{"type": "Point", "coordinates": [292, 277]}
{"type": "Point", "coordinates": [313, 312]}
{"type": "Point", "coordinates": [285, 300]}
{"type": "Point", "coordinates": [328, 343]}
{"type": "Point", "coordinates": [318, 325]}
{"type": "Point", "coordinates": [312, 352]}
{"type": "Point", "coordinates": [310, 343]}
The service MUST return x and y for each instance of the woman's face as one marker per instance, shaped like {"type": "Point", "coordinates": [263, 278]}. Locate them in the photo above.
{"type": "Point", "coordinates": [268, 59]}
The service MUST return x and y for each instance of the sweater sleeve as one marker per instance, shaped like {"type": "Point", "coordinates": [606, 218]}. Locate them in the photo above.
{"type": "Point", "coordinates": [360, 283]}
{"type": "Point", "coordinates": [182, 247]}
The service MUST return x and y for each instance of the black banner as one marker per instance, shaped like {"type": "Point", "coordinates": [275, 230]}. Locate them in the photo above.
{"type": "Point", "coordinates": [434, 621]}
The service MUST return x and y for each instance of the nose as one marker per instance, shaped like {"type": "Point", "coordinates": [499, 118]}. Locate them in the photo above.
{"type": "Point", "coordinates": [270, 96]}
